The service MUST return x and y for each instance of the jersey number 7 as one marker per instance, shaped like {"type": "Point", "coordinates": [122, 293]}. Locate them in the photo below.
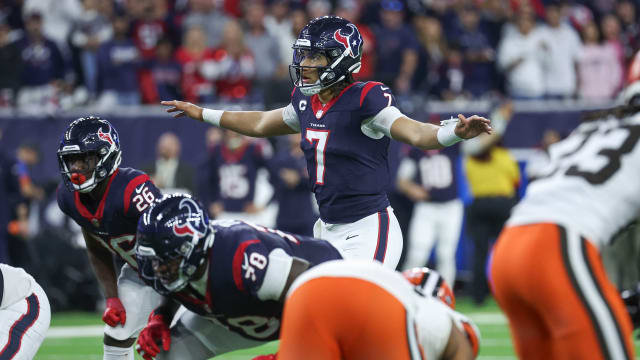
{"type": "Point", "coordinates": [319, 139]}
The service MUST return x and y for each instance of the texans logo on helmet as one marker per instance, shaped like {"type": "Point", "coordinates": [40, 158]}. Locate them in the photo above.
{"type": "Point", "coordinates": [105, 136]}
{"type": "Point", "coordinates": [194, 223]}
{"type": "Point", "coordinates": [350, 41]}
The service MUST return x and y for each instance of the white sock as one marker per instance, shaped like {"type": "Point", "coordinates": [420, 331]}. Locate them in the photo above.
{"type": "Point", "coordinates": [117, 353]}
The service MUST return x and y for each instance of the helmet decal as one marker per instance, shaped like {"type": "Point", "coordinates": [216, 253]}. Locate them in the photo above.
{"type": "Point", "coordinates": [194, 224]}
{"type": "Point", "coordinates": [106, 136]}
{"type": "Point", "coordinates": [350, 41]}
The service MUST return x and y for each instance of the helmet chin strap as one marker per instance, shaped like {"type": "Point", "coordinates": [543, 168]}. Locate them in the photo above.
{"type": "Point", "coordinates": [312, 89]}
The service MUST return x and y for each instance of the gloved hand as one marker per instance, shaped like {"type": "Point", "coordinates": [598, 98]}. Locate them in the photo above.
{"type": "Point", "coordinates": [156, 330]}
{"type": "Point", "coordinates": [114, 313]}
{"type": "Point", "coordinates": [266, 357]}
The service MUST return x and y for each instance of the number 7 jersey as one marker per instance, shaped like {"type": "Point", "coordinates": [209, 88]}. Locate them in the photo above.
{"type": "Point", "coordinates": [347, 163]}
{"type": "Point", "coordinates": [591, 182]}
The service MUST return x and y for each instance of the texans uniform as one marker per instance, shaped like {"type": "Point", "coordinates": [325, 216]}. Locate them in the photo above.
{"type": "Point", "coordinates": [24, 314]}
{"type": "Point", "coordinates": [348, 169]}
{"type": "Point", "coordinates": [113, 221]}
{"type": "Point", "coordinates": [247, 271]}
{"type": "Point", "coordinates": [440, 217]}
{"type": "Point", "coordinates": [355, 310]}
{"type": "Point", "coordinates": [233, 176]}
{"type": "Point", "coordinates": [546, 272]}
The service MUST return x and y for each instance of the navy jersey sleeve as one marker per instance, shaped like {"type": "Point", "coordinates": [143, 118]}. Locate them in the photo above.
{"type": "Point", "coordinates": [139, 193]}
{"type": "Point", "coordinates": [260, 272]}
{"type": "Point", "coordinates": [374, 97]}
{"type": "Point", "coordinates": [62, 204]}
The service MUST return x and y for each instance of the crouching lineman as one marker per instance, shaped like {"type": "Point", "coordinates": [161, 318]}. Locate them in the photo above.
{"type": "Point", "coordinates": [24, 314]}
{"type": "Point", "coordinates": [230, 275]}
{"type": "Point", "coordinates": [362, 310]}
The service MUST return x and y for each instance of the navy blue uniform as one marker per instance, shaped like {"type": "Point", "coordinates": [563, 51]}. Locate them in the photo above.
{"type": "Point", "coordinates": [295, 210]}
{"type": "Point", "coordinates": [232, 174]}
{"type": "Point", "coordinates": [436, 172]}
{"type": "Point", "coordinates": [348, 170]}
{"type": "Point", "coordinates": [238, 262]}
{"type": "Point", "coordinates": [114, 219]}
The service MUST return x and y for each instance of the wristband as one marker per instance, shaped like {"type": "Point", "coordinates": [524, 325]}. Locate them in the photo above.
{"type": "Point", "coordinates": [212, 116]}
{"type": "Point", "coordinates": [446, 134]}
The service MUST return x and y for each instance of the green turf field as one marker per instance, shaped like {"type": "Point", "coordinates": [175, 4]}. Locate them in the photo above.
{"type": "Point", "coordinates": [76, 336]}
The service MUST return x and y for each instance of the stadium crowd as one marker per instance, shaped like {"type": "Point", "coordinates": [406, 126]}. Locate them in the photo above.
{"type": "Point", "coordinates": [71, 53]}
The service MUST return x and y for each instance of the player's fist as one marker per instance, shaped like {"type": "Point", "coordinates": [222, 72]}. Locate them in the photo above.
{"type": "Point", "coordinates": [183, 108]}
{"type": "Point", "coordinates": [266, 357]}
{"type": "Point", "coordinates": [156, 331]}
{"type": "Point", "coordinates": [114, 313]}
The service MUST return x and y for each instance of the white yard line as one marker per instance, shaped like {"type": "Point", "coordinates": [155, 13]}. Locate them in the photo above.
{"type": "Point", "coordinates": [61, 332]}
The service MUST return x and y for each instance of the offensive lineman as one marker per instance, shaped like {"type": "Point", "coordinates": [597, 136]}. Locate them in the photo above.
{"type": "Point", "coordinates": [106, 201]}
{"type": "Point", "coordinates": [345, 128]}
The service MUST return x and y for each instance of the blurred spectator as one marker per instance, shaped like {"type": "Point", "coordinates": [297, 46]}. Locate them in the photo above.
{"type": "Point", "coordinates": [204, 14]}
{"type": "Point", "coordinates": [630, 34]}
{"type": "Point", "coordinates": [599, 71]}
{"type": "Point", "coordinates": [10, 65]}
{"type": "Point", "coordinates": [118, 62]}
{"type": "Point", "coordinates": [90, 30]}
{"type": "Point", "coordinates": [168, 173]}
{"type": "Point", "coordinates": [193, 55]}
{"type": "Point", "coordinates": [477, 53]}
{"type": "Point", "coordinates": [279, 24]}
{"type": "Point", "coordinates": [451, 77]}
{"type": "Point", "coordinates": [318, 8]}
{"type": "Point", "coordinates": [58, 17]}
{"type": "Point", "coordinates": [10, 193]}
{"type": "Point", "coordinates": [562, 52]}
{"type": "Point", "coordinates": [261, 42]}
{"type": "Point", "coordinates": [431, 53]}
{"type": "Point", "coordinates": [231, 175]}
{"type": "Point", "coordinates": [520, 56]}
{"type": "Point", "coordinates": [42, 67]}
{"type": "Point", "coordinates": [299, 20]}
{"type": "Point", "coordinates": [610, 26]}
{"type": "Point", "coordinates": [348, 9]}
{"type": "Point", "coordinates": [429, 179]}
{"type": "Point", "coordinates": [291, 182]}
{"type": "Point", "coordinates": [495, 14]}
{"type": "Point", "coordinates": [537, 163]}
{"type": "Point", "coordinates": [150, 24]}
{"type": "Point", "coordinates": [493, 176]}
{"type": "Point", "coordinates": [396, 44]}
{"type": "Point", "coordinates": [166, 73]}
{"type": "Point", "coordinates": [234, 66]}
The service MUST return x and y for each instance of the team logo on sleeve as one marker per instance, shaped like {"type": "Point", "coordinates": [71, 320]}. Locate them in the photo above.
{"type": "Point", "coordinates": [194, 224]}
{"type": "Point", "coordinates": [350, 41]}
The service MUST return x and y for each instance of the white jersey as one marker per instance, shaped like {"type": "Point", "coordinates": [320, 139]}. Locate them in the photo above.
{"type": "Point", "coordinates": [432, 317]}
{"type": "Point", "coordinates": [591, 182]}
{"type": "Point", "coordinates": [15, 285]}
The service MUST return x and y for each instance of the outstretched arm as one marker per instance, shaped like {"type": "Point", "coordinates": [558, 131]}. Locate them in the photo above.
{"type": "Point", "coordinates": [250, 123]}
{"type": "Point", "coordinates": [429, 136]}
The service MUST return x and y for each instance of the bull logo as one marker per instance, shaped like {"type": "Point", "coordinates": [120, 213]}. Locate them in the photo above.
{"type": "Point", "coordinates": [351, 41]}
{"type": "Point", "coordinates": [194, 224]}
{"type": "Point", "coordinates": [105, 136]}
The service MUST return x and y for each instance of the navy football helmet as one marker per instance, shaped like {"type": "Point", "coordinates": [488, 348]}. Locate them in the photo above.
{"type": "Point", "coordinates": [87, 139]}
{"type": "Point", "coordinates": [338, 40]}
{"type": "Point", "coordinates": [173, 238]}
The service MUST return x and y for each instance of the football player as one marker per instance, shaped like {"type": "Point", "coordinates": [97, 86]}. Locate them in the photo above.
{"type": "Point", "coordinates": [345, 128]}
{"type": "Point", "coordinates": [230, 275]}
{"type": "Point", "coordinates": [24, 314]}
{"type": "Point", "coordinates": [361, 310]}
{"type": "Point", "coordinates": [550, 248]}
{"type": "Point", "coordinates": [106, 201]}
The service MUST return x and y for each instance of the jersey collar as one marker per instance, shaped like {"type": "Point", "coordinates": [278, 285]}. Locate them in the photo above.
{"type": "Point", "coordinates": [95, 218]}
{"type": "Point", "coordinates": [319, 109]}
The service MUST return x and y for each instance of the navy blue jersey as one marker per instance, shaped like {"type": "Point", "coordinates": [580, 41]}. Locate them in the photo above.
{"type": "Point", "coordinates": [114, 219]}
{"type": "Point", "coordinates": [295, 210]}
{"type": "Point", "coordinates": [239, 263]}
{"type": "Point", "coordinates": [436, 171]}
{"type": "Point", "coordinates": [232, 174]}
{"type": "Point", "coordinates": [348, 170]}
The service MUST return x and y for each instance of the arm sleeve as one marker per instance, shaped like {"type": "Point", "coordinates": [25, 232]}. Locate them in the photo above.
{"type": "Point", "coordinates": [139, 194]}
{"type": "Point", "coordinates": [290, 118]}
{"type": "Point", "coordinates": [260, 272]}
{"type": "Point", "coordinates": [379, 110]}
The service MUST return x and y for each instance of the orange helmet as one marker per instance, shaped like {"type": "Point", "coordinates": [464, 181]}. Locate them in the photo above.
{"type": "Point", "coordinates": [430, 283]}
